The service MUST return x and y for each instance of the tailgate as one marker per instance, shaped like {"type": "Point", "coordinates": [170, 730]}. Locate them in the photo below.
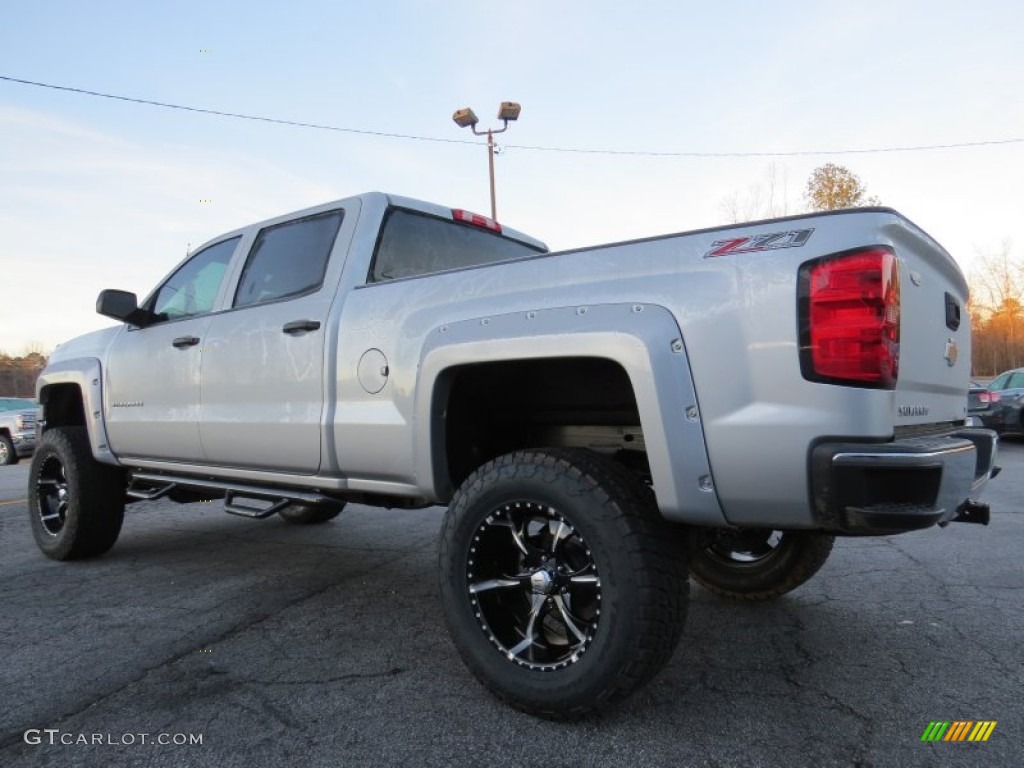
{"type": "Point", "coordinates": [935, 331]}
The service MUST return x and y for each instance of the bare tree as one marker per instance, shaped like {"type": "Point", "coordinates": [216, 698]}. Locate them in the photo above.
{"type": "Point", "coordinates": [766, 199]}
{"type": "Point", "coordinates": [997, 311]}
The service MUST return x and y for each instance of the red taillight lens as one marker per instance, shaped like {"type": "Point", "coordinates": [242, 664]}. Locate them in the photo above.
{"type": "Point", "coordinates": [989, 397]}
{"type": "Point", "coordinates": [850, 318]}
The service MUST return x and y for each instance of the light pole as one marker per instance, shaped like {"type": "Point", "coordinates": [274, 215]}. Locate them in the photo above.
{"type": "Point", "coordinates": [466, 118]}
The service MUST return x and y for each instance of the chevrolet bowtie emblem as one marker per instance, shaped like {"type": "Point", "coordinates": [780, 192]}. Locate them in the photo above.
{"type": "Point", "coordinates": [952, 353]}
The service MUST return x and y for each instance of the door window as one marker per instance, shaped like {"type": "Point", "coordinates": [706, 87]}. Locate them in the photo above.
{"type": "Point", "coordinates": [193, 288]}
{"type": "Point", "coordinates": [288, 259]}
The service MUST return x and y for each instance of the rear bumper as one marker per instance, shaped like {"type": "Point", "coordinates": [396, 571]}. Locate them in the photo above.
{"type": "Point", "coordinates": [903, 485]}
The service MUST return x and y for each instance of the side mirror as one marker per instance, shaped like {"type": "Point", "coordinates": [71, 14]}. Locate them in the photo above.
{"type": "Point", "coordinates": [123, 306]}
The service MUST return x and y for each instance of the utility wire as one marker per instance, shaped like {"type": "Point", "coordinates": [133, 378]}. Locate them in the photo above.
{"type": "Point", "coordinates": [220, 113]}
{"type": "Point", "coordinates": [575, 150]}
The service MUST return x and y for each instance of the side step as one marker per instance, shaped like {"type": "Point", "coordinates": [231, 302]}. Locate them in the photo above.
{"type": "Point", "coordinates": [258, 513]}
{"type": "Point", "coordinates": [166, 484]}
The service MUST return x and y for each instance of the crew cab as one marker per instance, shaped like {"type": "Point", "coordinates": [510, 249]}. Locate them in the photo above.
{"type": "Point", "coordinates": [601, 423]}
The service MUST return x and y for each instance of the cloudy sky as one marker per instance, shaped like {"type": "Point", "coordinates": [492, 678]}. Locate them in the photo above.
{"type": "Point", "coordinates": [681, 107]}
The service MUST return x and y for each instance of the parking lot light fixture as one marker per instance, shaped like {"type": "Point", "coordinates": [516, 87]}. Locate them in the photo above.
{"type": "Point", "coordinates": [508, 111]}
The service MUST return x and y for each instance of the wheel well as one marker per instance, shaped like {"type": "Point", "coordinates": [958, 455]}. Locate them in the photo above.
{"type": "Point", "coordinates": [489, 409]}
{"type": "Point", "coordinates": [62, 406]}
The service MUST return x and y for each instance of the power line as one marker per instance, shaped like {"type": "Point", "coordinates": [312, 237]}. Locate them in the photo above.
{"type": "Point", "coordinates": [574, 150]}
{"type": "Point", "coordinates": [220, 113]}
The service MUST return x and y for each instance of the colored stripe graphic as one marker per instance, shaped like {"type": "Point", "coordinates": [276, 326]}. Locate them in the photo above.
{"type": "Point", "coordinates": [935, 730]}
{"type": "Point", "coordinates": [982, 730]}
{"type": "Point", "coordinates": [959, 730]}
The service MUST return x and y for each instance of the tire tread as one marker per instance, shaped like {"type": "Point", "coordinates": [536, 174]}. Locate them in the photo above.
{"type": "Point", "coordinates": [662, 589]}
{"type": "Point", "coordinates": [93, 527]}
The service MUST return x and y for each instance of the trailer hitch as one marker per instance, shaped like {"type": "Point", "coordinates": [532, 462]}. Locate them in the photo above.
{"type": "Point", "coordinates": [972, 511]}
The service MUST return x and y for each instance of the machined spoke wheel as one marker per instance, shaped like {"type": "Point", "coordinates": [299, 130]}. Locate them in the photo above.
{"type": "Point", "coordinates": [745, 546]}
{"type": "Point", "coordinates": [758, 563]}
{"type": "Point", "coordinates": [534, 585]}
{"type": "Point", "coordinates": [563, 588]}
{"type": "Point", "coordinates": [53, 495]}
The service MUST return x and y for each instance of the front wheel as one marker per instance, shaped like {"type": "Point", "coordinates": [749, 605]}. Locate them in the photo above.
{"type": "Point", "coordinates": [75, 502]}
{"type": "Point", "coordinates": [563, 589]}
{"type": "Point", "coordinates": [759, 564]}
{"type": "Point", "coordinates": [8, 455]}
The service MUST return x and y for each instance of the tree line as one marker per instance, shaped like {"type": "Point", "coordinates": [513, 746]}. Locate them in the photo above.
{"type": "Point", "coordinates": [18, 374]}
{"type": "Point", "coordinates": [997, 312]}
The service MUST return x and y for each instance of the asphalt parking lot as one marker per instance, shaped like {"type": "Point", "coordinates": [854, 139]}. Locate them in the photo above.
{"type": "Point", "coordinates": [281, 645]}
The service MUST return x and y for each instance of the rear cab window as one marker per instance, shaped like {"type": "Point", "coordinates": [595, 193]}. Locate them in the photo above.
{"type": "Point", "coordinates": [413, 243]}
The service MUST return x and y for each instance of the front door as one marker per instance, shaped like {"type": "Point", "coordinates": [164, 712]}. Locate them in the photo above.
{"type": "Point", "coordinates": [151, 401]}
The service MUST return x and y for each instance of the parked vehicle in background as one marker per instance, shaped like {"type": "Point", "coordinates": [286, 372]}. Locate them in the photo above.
{"type": "Point", "coordinates": [984, 405]}
{"type": "Point", "coordinates": [17, 428]}
{"type": "Point", "coordinates": [1006, 396]}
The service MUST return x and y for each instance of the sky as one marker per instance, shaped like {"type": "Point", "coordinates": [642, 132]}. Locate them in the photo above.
{"type": "Point", "coordinates": [99, 193]}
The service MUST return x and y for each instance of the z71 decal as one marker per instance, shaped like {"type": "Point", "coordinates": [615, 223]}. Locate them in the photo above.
{"type": "Point", "coordinates": [794, 238]}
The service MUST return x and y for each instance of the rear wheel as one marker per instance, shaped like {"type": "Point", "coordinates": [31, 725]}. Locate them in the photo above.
{"type": "Point", "coordinates": [310, 514]}
{"type": "Point", "coordinates": [76, 503]}
{"type": "Point", "coordinates": [563, 589]}
{"type": "Point", "coordinates": [759, 564]}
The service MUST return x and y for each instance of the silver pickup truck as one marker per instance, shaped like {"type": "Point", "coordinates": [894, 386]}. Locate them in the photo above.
{"type": "Point", "coordinates": [17, 429]}
{"type": "Point", "coordinates": [601, 423]}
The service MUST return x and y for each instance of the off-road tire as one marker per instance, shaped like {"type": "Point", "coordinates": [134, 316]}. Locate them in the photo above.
{"type": "Point", "coordinates": [310, 514]}
{"type": "Point", "coordinates": [75, 503]}
{"type": "Point", "coordinates": [634, 564]}
{"type": "Point", "coordinates": [8, 455]}
{"type": "Point", "coordinates": [795, 559]}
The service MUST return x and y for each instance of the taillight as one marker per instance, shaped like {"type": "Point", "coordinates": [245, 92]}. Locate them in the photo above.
{"type": "Point", "coordinates": [989, 397]}
{"type": "Point", "coordinates": [850, 318]}
{"type": "Point", "coordinates": [468, 217]}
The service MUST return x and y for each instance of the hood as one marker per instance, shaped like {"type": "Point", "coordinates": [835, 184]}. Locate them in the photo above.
{"type": "Point", "coordinates": [93, 344]}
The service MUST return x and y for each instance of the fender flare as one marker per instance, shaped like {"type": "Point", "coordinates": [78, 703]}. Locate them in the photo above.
{"type": "Point", "coordinates": [87, 374]}
{"type": "Point", "coordinates": [644, 339]}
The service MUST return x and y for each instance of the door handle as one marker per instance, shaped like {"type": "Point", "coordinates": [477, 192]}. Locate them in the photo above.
{"type": "Point", "coordinates": [185, 341]}
{"type": "Point", "coordinates": [298, 326]}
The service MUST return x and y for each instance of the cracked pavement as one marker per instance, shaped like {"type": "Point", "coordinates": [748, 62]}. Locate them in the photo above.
{"type": "Point", "coordinates": [325, 646]}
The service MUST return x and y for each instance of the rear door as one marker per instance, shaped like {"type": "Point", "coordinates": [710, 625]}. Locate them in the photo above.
{"type": "Point", "coordinates": [263, 389]}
